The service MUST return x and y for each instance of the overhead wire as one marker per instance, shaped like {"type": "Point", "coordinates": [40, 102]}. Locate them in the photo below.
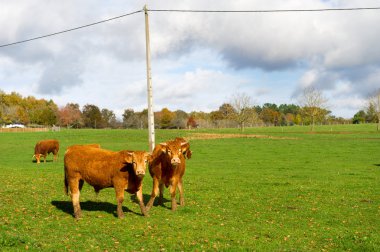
{"type": "Point", "coordinates": [190, 11]}
{"type": "Point", "coordinates": [268, 11]}
{"type": "Point", "coordinates": [71, 29]}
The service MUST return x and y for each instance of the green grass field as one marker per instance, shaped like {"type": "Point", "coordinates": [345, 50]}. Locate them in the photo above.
{"type": "Point", "coordinates": [292, 191]}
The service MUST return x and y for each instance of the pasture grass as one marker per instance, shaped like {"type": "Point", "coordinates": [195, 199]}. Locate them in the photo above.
{"type": "Point", "coordinates": [295, 191]}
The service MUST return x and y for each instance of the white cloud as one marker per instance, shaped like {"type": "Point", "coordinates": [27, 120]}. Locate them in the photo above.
{"type": "Point", "coordinates": [198, 59]}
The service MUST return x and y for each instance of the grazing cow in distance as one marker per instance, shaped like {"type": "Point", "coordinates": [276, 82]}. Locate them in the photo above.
{"type": "Point", "coordinates": [167, 167]}
{"type": "Point", "coordinates": [123, 170]}
{"type": "Point", "coordinates": [45, 147]}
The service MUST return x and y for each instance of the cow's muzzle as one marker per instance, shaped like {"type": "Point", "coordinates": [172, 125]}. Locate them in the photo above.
{"type": "Point", "coordinates": [175, 161]}
{"type": "Point", "coordinates": [140, 173]}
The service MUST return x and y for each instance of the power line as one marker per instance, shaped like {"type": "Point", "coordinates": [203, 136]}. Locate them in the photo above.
{"type": "Point", "coordinates": [268, 11]}
{"type": "Point", "coordinates": [69, 30]}
{"type": "Point", "coordinates": [192, 11]}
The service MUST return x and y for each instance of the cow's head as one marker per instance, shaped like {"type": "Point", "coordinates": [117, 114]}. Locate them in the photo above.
{"type": "Point", "coordinates": [175, 150]}
{"type": "Point", "coordinates": [139, 161]}
{"type": "Point", "coordinates": [38, 157]}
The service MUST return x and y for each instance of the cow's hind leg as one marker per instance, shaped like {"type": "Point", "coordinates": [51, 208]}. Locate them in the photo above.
{"type": "Point", "coordinates": [81, 182]}
{"type": "Point", "coordinates": [154, 193]}
{"type": "Point", "coordinates": [161, 197]}
{"type": "Point", "coordinates": [75, 193]}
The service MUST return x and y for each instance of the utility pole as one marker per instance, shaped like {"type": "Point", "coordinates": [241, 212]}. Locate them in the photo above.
{"type": "Point", "coordinates": [149, 84]}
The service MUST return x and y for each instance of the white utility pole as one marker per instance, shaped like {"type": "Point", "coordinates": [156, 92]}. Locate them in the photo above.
{"type": "Point", "coordinates": [149, 84]}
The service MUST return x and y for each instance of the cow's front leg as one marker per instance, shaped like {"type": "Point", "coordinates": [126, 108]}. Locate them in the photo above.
{"type": "Point", "coordinates": [173, 189]}
{"type": "Point", "coordinates": [120, 198]}
{"type": "Point", "coordinates": [181, 197]}
{"type": "Point", "coordinates": [154, 193]}
{"type": "Point", "coordinates": [139, 196]}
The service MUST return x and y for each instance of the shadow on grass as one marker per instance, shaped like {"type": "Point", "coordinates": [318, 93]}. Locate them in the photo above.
{"type": "Point", "coordinates": [146, 198]}
{"type": "Point", "coordinates": [67, 207]}
{"type": "Point", "coordinates": [378, 165]}
{"type": "Point", "coordinates": [42, 161]}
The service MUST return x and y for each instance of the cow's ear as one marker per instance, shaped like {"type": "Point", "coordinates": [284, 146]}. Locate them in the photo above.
{"type": "Point", "coordinates": [162, 147]}
{"type": "Point", "coordinates": [185, 148]}
{"type": "Point", "coordinates": [128, 157]}
{"type": "Point", "coordinates": [148, 157]}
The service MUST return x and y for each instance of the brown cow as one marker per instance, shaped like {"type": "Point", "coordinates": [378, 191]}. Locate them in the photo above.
{"type": "Point", "coordinates": [84, 145]}
{"type": "Point", "coordinates": [167, 166]}
{"type": "Point", "coordinates": [44, 147]}
{"type": "Point", "coordinates": [123, 170]}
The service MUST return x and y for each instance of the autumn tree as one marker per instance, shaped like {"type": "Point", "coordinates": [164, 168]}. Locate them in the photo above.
{"type": "Point", "coordinates": [242, 106]}
{"type": "Point", "coordinates": [191, 123]}
{"type": "Point", "coordinates": [164, 118]}
{"type": "Point", "coordinates": [313, 105]}
{"type": "Point", "coordinates": [70, 116]}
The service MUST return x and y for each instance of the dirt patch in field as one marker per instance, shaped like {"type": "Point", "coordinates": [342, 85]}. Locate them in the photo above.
{"type": "Point", "coordinates": [218, 136]}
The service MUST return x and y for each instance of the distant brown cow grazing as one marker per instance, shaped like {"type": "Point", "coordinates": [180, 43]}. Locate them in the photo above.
{"type": "Point", "coordinates": [45, 147]}
{"type": "Point", "coordinates": [167, 166]}
{"type": "Point", "coordinates": [123, 170]}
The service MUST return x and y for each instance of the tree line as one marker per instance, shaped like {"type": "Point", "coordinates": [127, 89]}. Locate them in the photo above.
{"type": "Point", "coordinates": [238, 112]}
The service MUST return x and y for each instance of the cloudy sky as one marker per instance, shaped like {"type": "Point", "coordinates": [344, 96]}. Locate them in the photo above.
{"type": "Point", "coordinates": [199, 60]}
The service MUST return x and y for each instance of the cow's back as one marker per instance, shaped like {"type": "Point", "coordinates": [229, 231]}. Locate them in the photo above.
{"type": "Point", "coordinates": [96, 166]}
{"type": "Point", "coordinates": [47, 146]}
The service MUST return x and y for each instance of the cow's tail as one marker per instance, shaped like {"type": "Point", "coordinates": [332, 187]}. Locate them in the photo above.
{"type": "Point", "coordinates": [66, 184]}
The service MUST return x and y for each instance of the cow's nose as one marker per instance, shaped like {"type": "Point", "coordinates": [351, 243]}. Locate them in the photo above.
{"type": "Point", "coordinates": [140, 172]}
{"type": "Point", "coordinates": [175, 161]}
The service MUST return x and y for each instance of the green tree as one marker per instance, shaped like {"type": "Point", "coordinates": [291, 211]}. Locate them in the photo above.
{"type": "Point", "coordinates": [108, 118]}
{"type": "Point", "coordinates": [374, 108]}
{"type": "Point", "coordinates": [180, 119]}
{"type": "Point", "coordinates": [359, 117]}
{"type": "Point", "coordinates": [92, 116]}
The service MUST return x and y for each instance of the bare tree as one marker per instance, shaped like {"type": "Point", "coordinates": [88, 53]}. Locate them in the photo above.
{"type": "Point", "coordinates": [242, 106]}
{"type": "Point", "coordinates": [314, 105]}
{"type": "Point", "coordinates": [374, 101]}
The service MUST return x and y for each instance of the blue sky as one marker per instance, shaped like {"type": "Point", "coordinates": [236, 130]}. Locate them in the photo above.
{"type": "Point", "coordinates": [199, 60]}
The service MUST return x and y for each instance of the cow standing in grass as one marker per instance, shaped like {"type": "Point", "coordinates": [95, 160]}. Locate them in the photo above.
{"type": "Point", "coordinates": [167, 167]}
{"type": "Point", "coordinates": [123, 170]}
{"type": "Point", "coordinates": [45, 147]}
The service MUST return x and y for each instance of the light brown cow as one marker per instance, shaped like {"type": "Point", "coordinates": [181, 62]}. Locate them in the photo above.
{"type": "Point", "coordinates": [123, 170]}
{"type": "Point", "coordinates": [167, 167]}
{"type": "Point", "coordinates": [84, 145]}
{"type": "Point", "coordinates": [45, 147]}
